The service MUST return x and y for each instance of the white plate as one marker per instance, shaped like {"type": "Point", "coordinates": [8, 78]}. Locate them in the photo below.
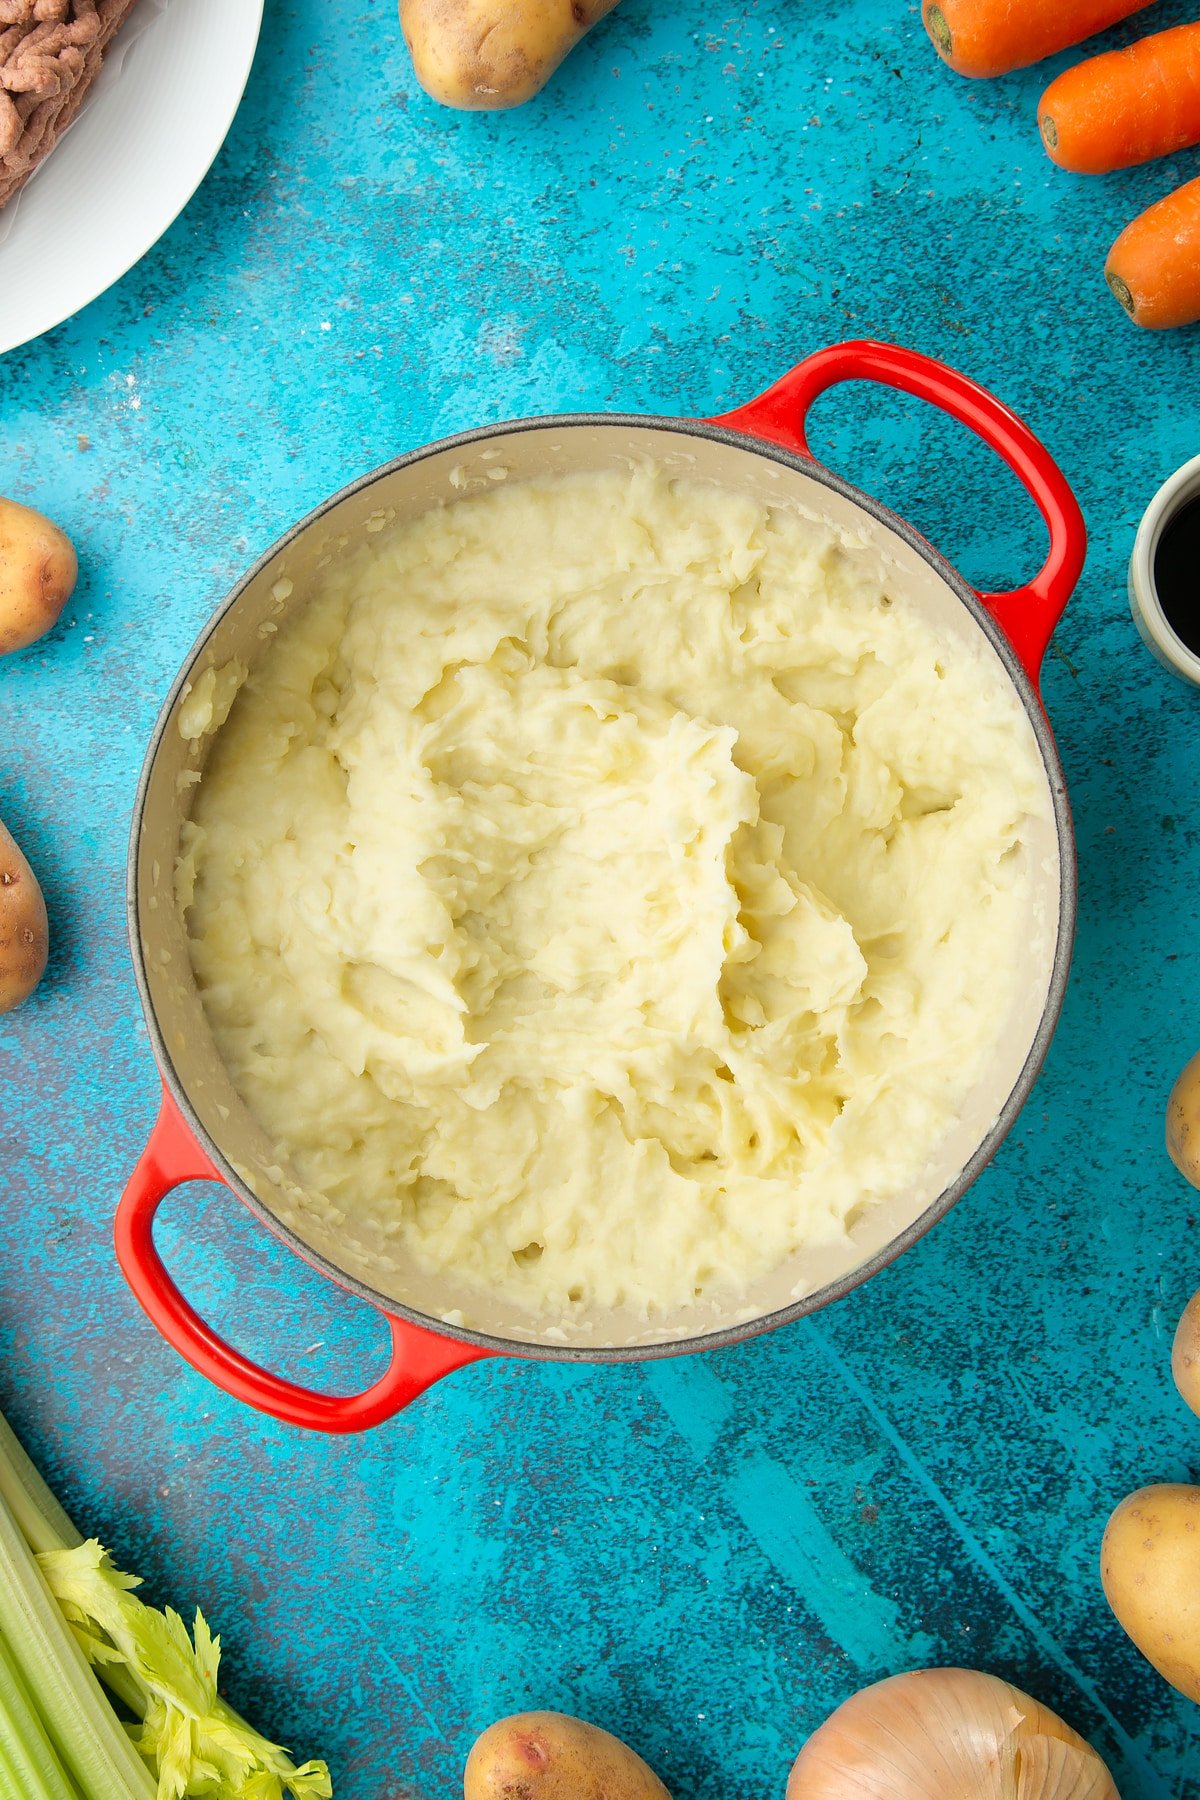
{"type": "Point", "coordinates": [128, 166]}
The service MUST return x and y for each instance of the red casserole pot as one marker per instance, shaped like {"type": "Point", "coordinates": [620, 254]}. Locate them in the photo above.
{"type": "Point", "coordinates": [203, 1131]}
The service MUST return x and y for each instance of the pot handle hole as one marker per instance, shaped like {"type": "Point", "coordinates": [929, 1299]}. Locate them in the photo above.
{"type": "Point", "coordinates": [1027, 615]}
{"type": "Point", "coordinates": [172, 1156]}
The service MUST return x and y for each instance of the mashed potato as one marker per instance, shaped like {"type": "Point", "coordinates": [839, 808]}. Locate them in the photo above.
{"type": "Point", "coordinates": [604, 889]}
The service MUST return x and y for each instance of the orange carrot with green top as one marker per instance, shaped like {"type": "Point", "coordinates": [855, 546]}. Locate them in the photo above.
{"type": "Point", "coordinates": [1154, 266]}
{"type": "Point", "coordinates": [1127, 106]}
{"type": "Point", "coordinates": [990, 37]}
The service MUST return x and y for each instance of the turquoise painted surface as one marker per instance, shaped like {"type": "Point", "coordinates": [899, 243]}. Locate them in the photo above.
{"type": "Point", "coordinates": [706, 1556]}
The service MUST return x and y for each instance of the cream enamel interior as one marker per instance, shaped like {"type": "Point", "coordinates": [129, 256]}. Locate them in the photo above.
{"type": "Point", "coordinates": [436, 479]}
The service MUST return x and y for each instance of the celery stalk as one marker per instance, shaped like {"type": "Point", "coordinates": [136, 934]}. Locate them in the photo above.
{"type": "Point", "coordinates": [27, 1751]}
{"type": "Point", "coordinates": [92, 1743]}
{"type": "Point", "coordinates": [9, 1784]}
{"type": "Point", "coordinates": [68, 1608]}
{"type": "Point", "coordinates": [44, 1525]}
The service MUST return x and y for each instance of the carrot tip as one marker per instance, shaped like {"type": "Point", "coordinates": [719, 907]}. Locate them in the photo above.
{"type": "Point", "coordinates": [939, 30]}
{"type": "Point", "coordinates": [1049, 131]}
{"type": "Point", "coordinates": [1120, 291]}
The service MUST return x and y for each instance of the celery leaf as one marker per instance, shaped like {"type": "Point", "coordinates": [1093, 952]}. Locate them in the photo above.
{"type": "Point", "coordinates": [195, 1743]}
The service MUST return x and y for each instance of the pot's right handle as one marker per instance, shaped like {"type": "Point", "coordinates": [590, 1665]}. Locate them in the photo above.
{"type": "Point", "coordinates": [1027, 615]}
{"type": "Point", "coordinates": [172, 1156]}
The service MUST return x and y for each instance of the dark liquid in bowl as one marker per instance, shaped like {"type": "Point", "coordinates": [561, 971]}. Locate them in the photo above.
{"type": "Point", "coordinates": [1177, 574]}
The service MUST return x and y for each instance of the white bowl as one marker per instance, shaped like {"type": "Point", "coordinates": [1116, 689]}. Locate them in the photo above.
{"type": "Point", "coordinates": [1144, 603]}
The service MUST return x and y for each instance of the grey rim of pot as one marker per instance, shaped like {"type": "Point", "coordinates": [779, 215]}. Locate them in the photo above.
{"type": "Point", "coordinates": [939, 1207]}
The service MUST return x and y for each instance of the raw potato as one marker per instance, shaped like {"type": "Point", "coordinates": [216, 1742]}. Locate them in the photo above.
{"type": "Point", "coordinates": [550, 1756]}
{"type": "Point", "coordinates": [24, 931]}
{"type": "Point", "coordinates": [481, 55]}
{"type": "Point", "coordinates": [1150, 1567]}
{"type": "Point", "coordinates": [37, 575]}
{"type": "Point", "coordinates": [1185, 1354]}
{"type": "Point", "coordinates": [1183, 1122]}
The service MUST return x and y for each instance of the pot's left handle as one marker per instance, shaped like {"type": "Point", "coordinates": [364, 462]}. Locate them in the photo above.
{"type": "Point", "coordinates": [172, 1156]}
{"type": "Point", "coordinates": [1026, 615]}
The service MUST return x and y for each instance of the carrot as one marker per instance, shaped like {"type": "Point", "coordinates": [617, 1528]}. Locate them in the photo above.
{"type": "Point", "coordinates": [1154, 266]}
{"type": "Point", "coordinates": [990, 37]}
{"type": "Point", "coordinates": [1126, 106]}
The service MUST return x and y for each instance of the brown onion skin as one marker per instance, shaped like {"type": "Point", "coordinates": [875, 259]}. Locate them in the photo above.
{"type": "Point", "coordinates": [946, 1734]}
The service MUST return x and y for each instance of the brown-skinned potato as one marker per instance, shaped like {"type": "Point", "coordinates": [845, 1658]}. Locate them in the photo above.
{"type": "Point", "coordinates": [1150, 1567]}
{"type": "Point", "coordinates": [1185, 1354]}
{"type": "Point", "coordinates": [550, 1756]}
{"type": "Point", "coordinates": [24, 931]}
{"type": "Point", "coordinates": [1183, 1122]}
{"type": "Point", "coordinates": [482, 55]}
{"type": "Point", "coordinates": [37, 575]}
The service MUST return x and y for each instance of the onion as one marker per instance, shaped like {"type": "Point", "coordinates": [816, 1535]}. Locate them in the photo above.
{"type": "Point", "coordinates": [947, 1734]}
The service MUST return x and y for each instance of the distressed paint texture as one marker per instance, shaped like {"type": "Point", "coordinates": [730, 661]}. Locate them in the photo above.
{"type": "Point", "coordinates": [704, 1556]}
